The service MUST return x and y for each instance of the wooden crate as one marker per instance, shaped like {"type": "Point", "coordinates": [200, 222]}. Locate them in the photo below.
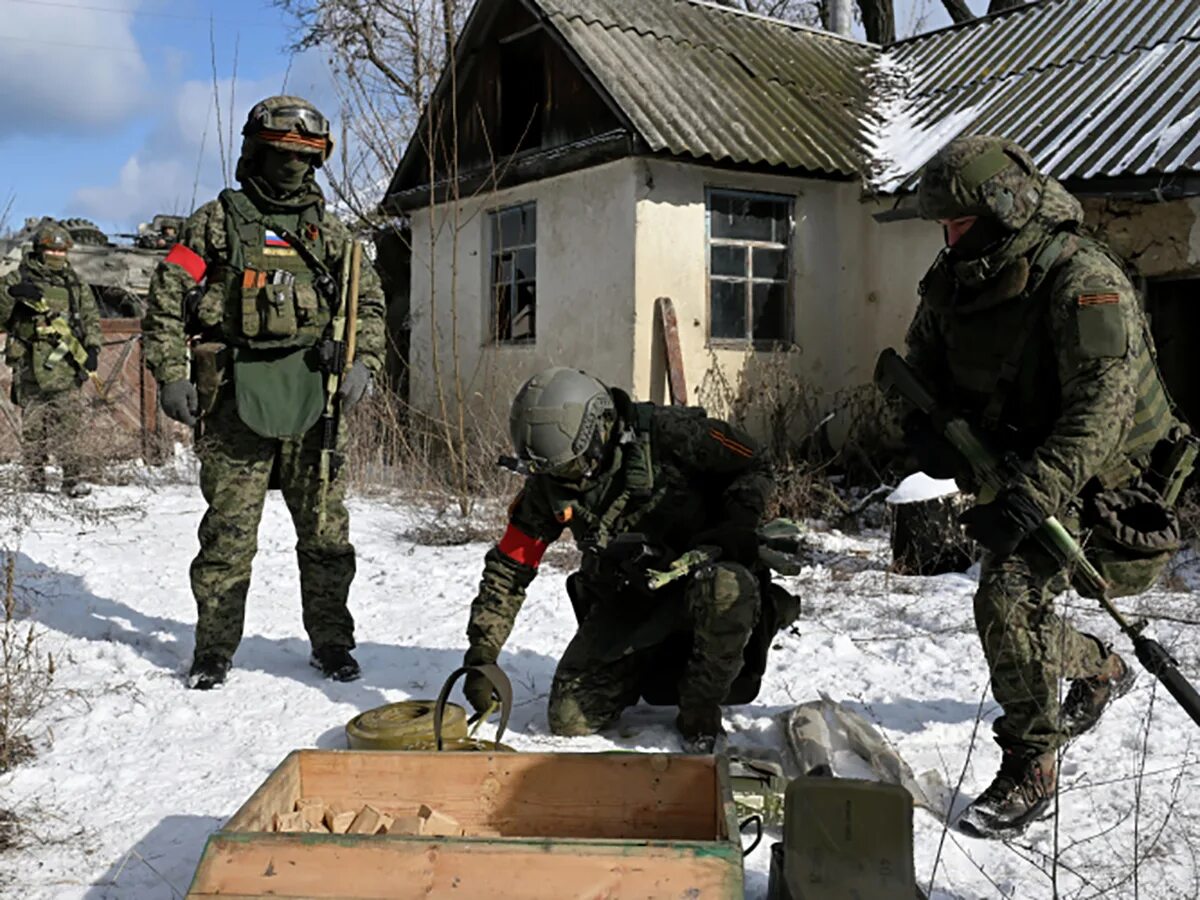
{"type": "Point", "coordinates": [588, 825]}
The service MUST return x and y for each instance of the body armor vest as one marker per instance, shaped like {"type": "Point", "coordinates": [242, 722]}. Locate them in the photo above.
{"type": "Point", "coordinates": [45, 335]}
{"type": "Point", "coordinates": [1005, 372]}
{"type": "Point", "coordinates": [264, 293]}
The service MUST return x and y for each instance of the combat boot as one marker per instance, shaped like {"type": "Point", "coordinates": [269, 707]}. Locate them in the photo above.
{"type": "Point", "coordinates": [1019, 794]}
{"type": "Point", "coordinates": [336, 663]}
{"type": "Point", "coordinates": [701, 728]}
{"type": "Point", "coordinates": [1087, 698]}
{"type": "Point", "coordinates": [207, 672]}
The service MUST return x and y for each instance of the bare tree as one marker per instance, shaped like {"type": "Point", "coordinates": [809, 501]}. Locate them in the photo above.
{"type": "Point", "coordinates": [879, 20]}
{"type": "Point", "coordinates": [804, 12]}
{"type": "Point", "coordinates": [1001, 5]}
{"type": "Point", "coordinates": [959, 11]}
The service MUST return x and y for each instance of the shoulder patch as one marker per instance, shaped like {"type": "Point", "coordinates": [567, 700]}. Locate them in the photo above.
{"type": "Point", "coordinates": [1097, 299]}
{"type": "Point", "coordinates": [730, 444]}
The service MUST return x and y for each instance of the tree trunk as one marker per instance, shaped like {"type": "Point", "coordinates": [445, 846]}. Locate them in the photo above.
{"type": "Point", "coordinates": [879, 20]}
{"type": "Point", "coordinates": [927, 538]}
{"type": "Point", "coordinates": [960, 12]}
{"type": "Point", "coordinates": [1000, 5]}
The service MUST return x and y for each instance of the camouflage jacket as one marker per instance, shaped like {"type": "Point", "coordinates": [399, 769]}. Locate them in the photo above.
{"type": "Point", "coordinates": [235, 254]}
{"type": "Point", "coordinates": [675, 473]}
{"type": "Point", "coordinates": [1050, 358]}
{"type": "Point", "coordinates": [30, 349]}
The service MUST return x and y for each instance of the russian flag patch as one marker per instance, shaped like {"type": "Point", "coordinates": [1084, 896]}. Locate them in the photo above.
{"type": "Point", "coordinates": [274, 245]}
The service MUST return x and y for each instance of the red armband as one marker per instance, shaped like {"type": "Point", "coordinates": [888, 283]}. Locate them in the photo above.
{"type": "Point", "coordinates": [188, 260]}
{"type": "Point", "coordinates": [521, 548]}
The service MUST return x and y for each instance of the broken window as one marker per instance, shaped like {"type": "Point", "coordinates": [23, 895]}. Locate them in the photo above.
{"type": "Point", "coordinates": [514, 274]}
{"type": "Point", "coordinates": [749, 266]}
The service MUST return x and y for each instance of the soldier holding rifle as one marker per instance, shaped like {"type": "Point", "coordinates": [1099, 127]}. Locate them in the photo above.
{"type": "Point", "coordinates": [260, 293]}
{"type": "Point", "coordinates": [1032, 338]}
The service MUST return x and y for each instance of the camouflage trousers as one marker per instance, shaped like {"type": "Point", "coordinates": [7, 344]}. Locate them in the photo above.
{"type": "Point", "coordinates": [236, 469]}
{"type": "Point", "coordinates": [52, 427]}
{"type": "Point", "coordinates": [615, 656]}
{"type": "Point", "coordinates": [1028, 647]}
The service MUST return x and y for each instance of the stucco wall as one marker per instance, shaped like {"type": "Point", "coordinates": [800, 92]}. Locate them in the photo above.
{"type": "Point", "coordinates": [853, 282]}
{"type": "Point", "coordinates": [585, 264]}
{"type": "Point", "coordinates": [1161, 239]}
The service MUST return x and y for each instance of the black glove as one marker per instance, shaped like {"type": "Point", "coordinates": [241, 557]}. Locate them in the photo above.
{"type": "Point", "coordinates": [93, 359]}
{"type": "Point", "coordinates": [1003, 524]}
{"type": "Point", "coordinates": [476, 687]}
{"type": "Point", "coordinates": [934, 454]}
{"type": "Point", "coordinates": [179, 401]}
{"type": "Point", "coordinates": [737, 543]}
{"type": "Point", "coordinates": [355, 384]}
{"type": "Point", "coordinates": [25, 290]}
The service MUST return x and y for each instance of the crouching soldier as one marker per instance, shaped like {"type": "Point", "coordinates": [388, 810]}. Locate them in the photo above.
{"type": "Point", "coordinates": [637, 485]}
{"type": "Point", "coordinates": [53, 347]}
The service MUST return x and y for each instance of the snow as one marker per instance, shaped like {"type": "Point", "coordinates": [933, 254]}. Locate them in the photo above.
{"type": "Point", "coordinates": [919, 487]}
{"type": "Point", "coordinates": [134, 771]}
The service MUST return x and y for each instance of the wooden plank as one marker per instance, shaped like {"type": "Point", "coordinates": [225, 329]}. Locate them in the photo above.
{"type": "Point", "coordinates": [278, 794]}
{"type": "Point", "coordinates": [316, 866]}
{"type": "Point", "coordinates": [676, 382]}
{"type": "Point", "coordinates": [581, 795]}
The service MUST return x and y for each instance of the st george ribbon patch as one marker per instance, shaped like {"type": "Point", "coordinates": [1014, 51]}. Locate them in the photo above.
{"type": "Point", "coordinates": [1098, 299]}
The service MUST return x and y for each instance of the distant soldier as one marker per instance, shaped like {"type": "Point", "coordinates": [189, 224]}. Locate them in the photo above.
{"type": "Point", "coordinates": [607, 470]}
{"type": "Point", "coordinates": [257, 271]}
{"type": "Point", "coordinates": [53, 347]}
{"type": "Point", "coordinates": [1033, 333]}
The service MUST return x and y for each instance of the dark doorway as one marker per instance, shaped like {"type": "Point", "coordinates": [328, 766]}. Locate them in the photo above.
{"type": "Point", "coordinates": [1174, 308]}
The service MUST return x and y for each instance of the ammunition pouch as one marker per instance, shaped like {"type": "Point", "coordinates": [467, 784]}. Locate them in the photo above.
{"type": "Point", "coordinates": [210, 372]}
{"type": "Point", "coordinates": [1171, 463]}
{"type": "Point", "coordinates": [1134, 533]}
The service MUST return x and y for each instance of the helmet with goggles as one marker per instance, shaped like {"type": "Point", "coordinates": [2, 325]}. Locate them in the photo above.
{"type": "Point", "coordinates": [288, 123]}
{"type": "Point", "coordinates": [51, 237]}
{"type": "Point", "coordinates": [560, 422]}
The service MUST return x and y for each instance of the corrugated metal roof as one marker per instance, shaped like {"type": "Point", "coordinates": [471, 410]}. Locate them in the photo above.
{"type": "Point", "coordinates": [1092, 88]}
{"type": "Point", "coordinates": [706, 82]}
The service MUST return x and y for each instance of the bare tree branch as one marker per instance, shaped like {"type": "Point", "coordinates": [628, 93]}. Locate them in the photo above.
{"type": "Point", "coordinates": [1001, 5]}
{"type": "Point", "coordinates": [959, 11]}
{"type": "Point", "coordinates": [879, 20]}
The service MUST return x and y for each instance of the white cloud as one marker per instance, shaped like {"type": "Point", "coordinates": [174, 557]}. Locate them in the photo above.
{"type": "Point", "coordinates": [185, 145]}
{"type": "Point", "coordinates": [66, 69]}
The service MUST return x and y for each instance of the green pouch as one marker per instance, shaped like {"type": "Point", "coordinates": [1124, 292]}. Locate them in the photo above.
{"type": "Point", "coordinates": [210, 365]}
{"type": "Point", "coordinates": [52, 368]}
{"type": "Point", "coordinates": [1133, 536]}
{"type": "Point", "coordinates": [280, 393]}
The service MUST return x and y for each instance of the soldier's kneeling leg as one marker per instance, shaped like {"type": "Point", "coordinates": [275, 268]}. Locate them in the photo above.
{"type": "Point", "coordinates": [724, 604]}
{"type": "Point", "coordinates": [590, 687]}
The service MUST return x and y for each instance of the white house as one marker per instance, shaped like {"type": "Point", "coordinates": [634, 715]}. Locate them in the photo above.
{"type": "Point", "coordinates": [607, 153]}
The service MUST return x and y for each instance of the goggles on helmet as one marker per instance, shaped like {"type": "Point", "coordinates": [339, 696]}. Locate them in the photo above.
{"type": "Point", "coordinates": [288, 118]}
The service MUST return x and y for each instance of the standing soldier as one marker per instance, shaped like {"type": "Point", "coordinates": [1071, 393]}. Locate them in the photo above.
{"type": "Point", "coordinates": [255, 279]}
{"type": "Point", "coordinates": [53, 347]}
{"type": "Point", "coordinates": [607, 470]}
{"type": "Point", "coordinates": [1033, 333]}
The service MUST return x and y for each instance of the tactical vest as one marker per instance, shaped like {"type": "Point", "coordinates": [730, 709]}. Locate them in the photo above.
{"type": "Point", "coordinates": [45, 336]}
{"type": "Point", "coordinates": [1004, 369]}
{"type": "Point", "coordinates": [263, 294]}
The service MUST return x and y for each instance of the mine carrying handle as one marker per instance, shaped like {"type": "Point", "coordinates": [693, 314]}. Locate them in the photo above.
{"type": "Point", "coordinates": [500, 684]}
{"type": "Point", "coordinates": [896, 377]}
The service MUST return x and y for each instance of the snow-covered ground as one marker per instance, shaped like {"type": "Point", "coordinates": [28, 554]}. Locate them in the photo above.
{"type": "Point", "coordinates": [135, 771]}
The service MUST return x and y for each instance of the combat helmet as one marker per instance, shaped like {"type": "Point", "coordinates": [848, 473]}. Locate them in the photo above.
{"type": "Point", "coordinates": [52, 237]}
{"type": "Point", "coordinates": [291, 123]}
{"type": "Point", "coordinates": [560, 421]}
{"type": "Point", "coordinates": [984, 176]}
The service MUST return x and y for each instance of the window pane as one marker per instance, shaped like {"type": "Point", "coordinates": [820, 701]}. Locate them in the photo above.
{"type": "Point", "coordinates": [524, 315]}
{"type": "Point", "coordinates": [749, 218]}
{"type": "Point", "coordinates": [502, 269]}
{"type": "Point", "coordinates": [728, 309]}
{"type": "Point", "coordinates": [510, 227]}
{"type": "Point", "coordinates": [526, 261]}
{"type": "Point", "coordinates": [770, 263]}
{"type": "Point", "coordinates": [728, 260]}
{"type": "Point", "coordinates": [529, 223]}
{"type": "Point", "coordinates": [770, 311]}
{"type": "Point", "coordinates": [501, 312]}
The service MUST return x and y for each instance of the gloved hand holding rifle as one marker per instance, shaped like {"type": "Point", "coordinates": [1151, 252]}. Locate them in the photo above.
{"type": "Point", "coordinates": [1009, 521]}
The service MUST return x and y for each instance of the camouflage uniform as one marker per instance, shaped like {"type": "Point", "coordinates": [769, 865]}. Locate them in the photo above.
{"type": "Point", "coordinates": [233, 250]}
{"type": "Point", "coordinates": [698, 642]}
{"type": "Point", "coordinates": [1041, 344]}
{"type": "Point", "coordinates": [46, 380]}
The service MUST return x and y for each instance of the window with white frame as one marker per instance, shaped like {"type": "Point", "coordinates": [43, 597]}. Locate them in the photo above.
{"type": "Point", "coordinates": [749, 266]}
{"type": "Point", "coordinates": [514, 274]}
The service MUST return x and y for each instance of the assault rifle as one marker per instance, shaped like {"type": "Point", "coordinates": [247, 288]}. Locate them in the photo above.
{"type": "Point", "coordinates": [337, 362]}
{"type": "Point", "coordinates": [895, 377]}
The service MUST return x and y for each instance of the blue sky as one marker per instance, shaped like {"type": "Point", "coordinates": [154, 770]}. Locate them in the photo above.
{"type": "Point", "coordinates": [107, 105]}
